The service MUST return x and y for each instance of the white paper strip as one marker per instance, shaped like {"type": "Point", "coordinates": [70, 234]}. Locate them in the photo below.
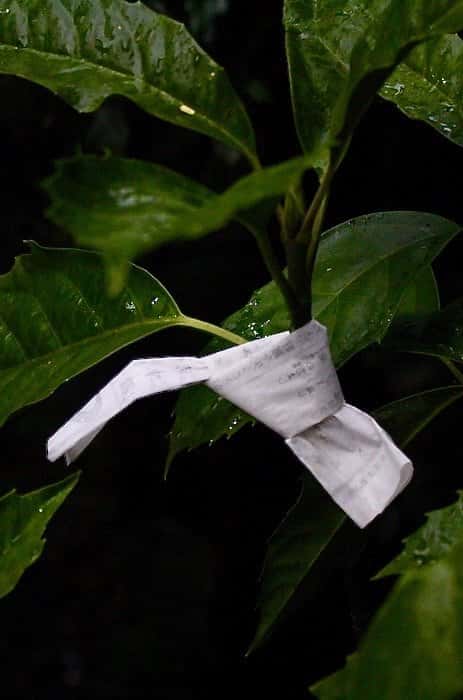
{"type": "Point", "coordinates": [355, 461]}
{"type": "Point", "coordinates": [137, 380]}
{"type": "Point", "coordinates": [288, 382]}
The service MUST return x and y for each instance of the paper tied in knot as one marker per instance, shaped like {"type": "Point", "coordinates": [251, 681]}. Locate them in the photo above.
{"type": "Point", "coordinates": [286, 381]}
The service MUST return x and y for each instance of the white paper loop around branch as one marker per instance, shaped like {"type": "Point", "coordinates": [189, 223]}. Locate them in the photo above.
{"type": "Point", "coordinates": [286, 381]}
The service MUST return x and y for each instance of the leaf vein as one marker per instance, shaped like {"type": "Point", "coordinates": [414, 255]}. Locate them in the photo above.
{"type": "Point", "coordinates": [15, 336]}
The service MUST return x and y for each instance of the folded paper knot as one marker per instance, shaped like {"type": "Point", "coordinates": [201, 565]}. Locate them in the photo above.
{"type": "Point", "coordinates": [286, 381]}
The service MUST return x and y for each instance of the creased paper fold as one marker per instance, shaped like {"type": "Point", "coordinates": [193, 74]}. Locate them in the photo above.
{"type": "Point", "coordinates": [286, 381]}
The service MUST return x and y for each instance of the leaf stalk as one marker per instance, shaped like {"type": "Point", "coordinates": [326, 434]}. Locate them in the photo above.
{"type": "Point", "coordinates": [212, 330]}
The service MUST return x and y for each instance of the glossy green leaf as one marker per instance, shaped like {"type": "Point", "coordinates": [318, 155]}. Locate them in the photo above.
{"type": "Point", "coordinates": [23, 520]}
{"type": "Point", "coordinates": [56, 320]}
{"type": "Point", "coordinates": [297, 544]}
{"type": "Point", "coordinates": [363, 269]}
{"type": "Point", "coordinates": [341, 51]}
{"type": "Point", "coordinates": [413, 648]}
{"type": "Point", "coordinates": [440, 334]}
{"type": "Point", "coordinates": [126, 207]}
{"type": "Point", "coordinates": [87, 50]}
{"type": "Point", "coordinates": [405, 418]}
{"type": "Point", "coordinates": [428, 85]}
{"type": "Point", "coordinates": [119, 206]}
{"type": "Point", "coordinates": [431, 542]}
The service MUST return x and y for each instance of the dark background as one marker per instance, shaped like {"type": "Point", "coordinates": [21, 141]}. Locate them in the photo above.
{"type": "Point", "coordinates": [148, 589]}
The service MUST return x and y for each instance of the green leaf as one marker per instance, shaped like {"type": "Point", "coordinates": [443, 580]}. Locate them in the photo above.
{"type": "Point", "coordinates": [428, 86]}
{"type": "Point", "coordinates": [407, 417]}
{"type": "Point", "coordinates": [23, 520]}
{"type": "Point", "coordinates": [121, 207]}
{"type": "Point", "coordinates": [420, 299]}
{"type": "Point", "coordinates": [412, 649]}
{"type": "Point", "coordinates": [336, 686]}
{"type": "Point", "coordinates": [440, 334]}
{"type": "Point", "coordinates": [431, 542]}
{"type": "Point", "coordinates": [340, 52]}
{"type": "Point", "coordinates": [127, 207]}
{"type": "Point", "coordinates": [363, 268]}
{"type": "Point", "coordinates": [56, 320]}
{"type": "Point", "coordinates": [87, 50]}
{"type": "Point", "coordinates": [297, 544]}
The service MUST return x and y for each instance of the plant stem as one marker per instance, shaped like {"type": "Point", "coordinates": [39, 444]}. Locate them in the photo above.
{"type": "Point", "coordinates": [301, 251]}
{"type": "Point", "coordinates": [272, 264]}
{"type": "Point", "coordinates": [212, 329]}
{"type": "Point", "coordinates": [453, 369]}
{"type": "Point", "coordinates": [312, 249]}
{"type": "Point", "coordinates": [305, 232]}
{"type": "Point", "coordinates": [297, 276]}
{"type": "Point", "coordinates": [254, 161]}
{"type": "Point", "coordinates": [308, 237]}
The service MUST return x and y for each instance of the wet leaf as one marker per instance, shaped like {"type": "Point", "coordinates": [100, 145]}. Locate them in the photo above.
{"type": "Point", "coordinates": [428, 86]}
{"type": "Point", "coordinates": [119, 206]}
{"type": "Point", "coordinates": [431, 542]}
{"type": "Point", "coordinates": [341, 52]}
{"type": "Point", "coordinates": [87, 50]}
{"type": "Point", "coordinates": [23, 520]}
{"type": "Point", "coordinates": [363, 269]}
{"type": "Point", "coordinates": [56, 320]}
{"type": "Point", "coordinates": [127, 207]}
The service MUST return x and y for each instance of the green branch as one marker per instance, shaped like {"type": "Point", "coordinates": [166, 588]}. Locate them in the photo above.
{"type": "Point", "coordinates": [272, 264]}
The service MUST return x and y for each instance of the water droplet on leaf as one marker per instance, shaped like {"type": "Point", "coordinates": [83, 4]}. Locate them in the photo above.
{"type": "Point", "coordinates": [398, 88]}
